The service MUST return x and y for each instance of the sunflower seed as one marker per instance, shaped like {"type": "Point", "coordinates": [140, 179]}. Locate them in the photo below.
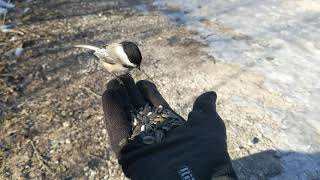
{"type": "Point", "coordinates": [143, 127]}
{"type": "Point", "coordinates": [139, 117]}
{"type": "Point", "coordinates": [135, 122]}
{"type": "Point", "coordinates": [145, 119]}
{"type": "Point", "coordinates": [145, 110]}
{"type": "Point", "coordinates": [158, 119]}
{"type": "Point", "coordinates": [165, 115]}
{"type": "Point", "coordinates": [136, 131]}
{"type": "Point", "coordinates": [159, 109]}
{"type": "Point", "coordinates": [152, 115]}
{"type": "Point", "coordinates": [151, 124]}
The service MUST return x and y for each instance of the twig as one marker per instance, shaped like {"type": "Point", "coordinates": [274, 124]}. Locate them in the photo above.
{"type": "Point", "coordinates": [92, 92]}
{"type": "Point", "coordinates": [42, 161]}
{"type": "Point", "coordinates": [153, 81]}
{"type": "Point", "coordinates": [4, 17]}
{"type": "Point", "coordinates": [143, 72]}
{"type": "Point", "coordinates": [13, 31]}
{"type": "Point", "coordinates": [3, 164]}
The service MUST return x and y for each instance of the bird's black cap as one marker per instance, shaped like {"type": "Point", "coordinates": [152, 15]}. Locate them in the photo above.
{"type": "Point", "coordinates": [132, 51]}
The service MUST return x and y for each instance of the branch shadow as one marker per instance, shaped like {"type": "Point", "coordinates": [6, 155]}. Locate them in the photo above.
{"type": "Point", "coordinates": [59, 10]}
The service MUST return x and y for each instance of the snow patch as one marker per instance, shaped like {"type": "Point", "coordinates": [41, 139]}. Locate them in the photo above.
{"type": "Point", "coordinates": [279, 39]}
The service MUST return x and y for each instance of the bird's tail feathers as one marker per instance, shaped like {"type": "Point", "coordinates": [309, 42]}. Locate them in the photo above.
{"type": "Point", "coordinates": [88, 47]}
{"type": "Point", "coordinates": [99, 52]}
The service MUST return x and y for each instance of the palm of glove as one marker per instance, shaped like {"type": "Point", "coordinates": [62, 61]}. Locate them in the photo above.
{"type": "Point", "coordinates": [192, 149]}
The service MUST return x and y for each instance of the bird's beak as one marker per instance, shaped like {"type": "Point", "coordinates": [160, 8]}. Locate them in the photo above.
{"type": "Point", "coordinates": [138, 67]}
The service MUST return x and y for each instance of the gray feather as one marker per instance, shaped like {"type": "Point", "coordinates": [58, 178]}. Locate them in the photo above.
{"type": "Point", "coordinates": [101, 53]}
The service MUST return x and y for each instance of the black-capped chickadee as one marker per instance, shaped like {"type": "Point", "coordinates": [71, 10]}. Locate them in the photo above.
{"type": "Point", "coordinates": [117, 57]}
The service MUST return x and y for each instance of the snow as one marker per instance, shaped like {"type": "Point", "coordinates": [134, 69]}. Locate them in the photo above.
{"type": "Point", "coordinates": [279, 39]}
{"type": "Point", "coordinates": [3, 10]}
{"type": "Point", "coordinates": [4, 6]}
{"type": "Point", "coordinates": [18, 52]}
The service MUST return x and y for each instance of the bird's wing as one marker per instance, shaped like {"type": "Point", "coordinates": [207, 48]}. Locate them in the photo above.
{"type": "Point", "coordinates": [101, 53]}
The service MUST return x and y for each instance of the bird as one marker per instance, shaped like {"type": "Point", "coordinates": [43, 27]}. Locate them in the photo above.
{"type": "Point", "coordinates": [117, 58]}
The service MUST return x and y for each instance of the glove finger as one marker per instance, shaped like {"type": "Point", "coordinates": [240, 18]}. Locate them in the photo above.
{"type": "Point", "coordinates": [116, 120]}
{"type": "Point", "coordinates": [135, 96]}
{"type": "Point", "coordinates": [150, 92]}
{"type": "Point", "coordinates": [117, 86]}
{"type": "Point", "coordinates": [206, 102]}
{"type": "Point", "coordinates": [204, 114]}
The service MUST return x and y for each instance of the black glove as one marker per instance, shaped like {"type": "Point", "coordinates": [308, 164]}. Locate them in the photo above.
{"type": "Point", "coordinates": [195, 150]}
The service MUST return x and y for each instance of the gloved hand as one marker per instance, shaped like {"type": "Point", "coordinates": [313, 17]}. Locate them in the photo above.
{"type": "Point", "coordinates": [195, 150]}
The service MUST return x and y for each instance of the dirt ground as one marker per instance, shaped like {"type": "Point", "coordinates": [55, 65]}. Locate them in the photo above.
{"type": "Point", "coordinates": [51, 124]}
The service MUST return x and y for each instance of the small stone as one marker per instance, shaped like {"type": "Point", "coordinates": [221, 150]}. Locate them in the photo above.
{"type": "Point", "coordinates": [26, 10]}
{"type": "Point", "coordinates": [110, 164]}
{"type": "Point", "coordinates": [68, 141]}
{"type": "Point", "coordinates": [94, 163]}
{"type": "Point", "coordinates": [255, 140]}
{"type": "Point", "coordinates": [85, 168]}
{"type": "Point", "coordinates": [66, 124]}
{"type": "Point", "coordinates": [270, 58]}
{"type": "Point", "coordinates": [63, 113]}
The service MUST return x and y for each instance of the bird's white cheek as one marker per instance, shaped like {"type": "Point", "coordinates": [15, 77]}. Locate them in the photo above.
{"type": "Point", "coordinates": [123, 57]}
{"type": "Point", "coordinates": [114, 68]}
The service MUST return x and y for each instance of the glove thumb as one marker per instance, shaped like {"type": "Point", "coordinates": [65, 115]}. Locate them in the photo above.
{"type": "Point", "coordinates": [206, 102]}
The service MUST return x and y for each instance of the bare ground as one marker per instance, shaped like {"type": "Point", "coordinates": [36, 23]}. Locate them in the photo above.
{"type": "Point", "coordinates": [51, 124]}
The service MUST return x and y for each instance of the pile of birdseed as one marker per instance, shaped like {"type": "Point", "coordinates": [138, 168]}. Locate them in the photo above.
{"type": "Point", "coordinates": [151, 124]}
